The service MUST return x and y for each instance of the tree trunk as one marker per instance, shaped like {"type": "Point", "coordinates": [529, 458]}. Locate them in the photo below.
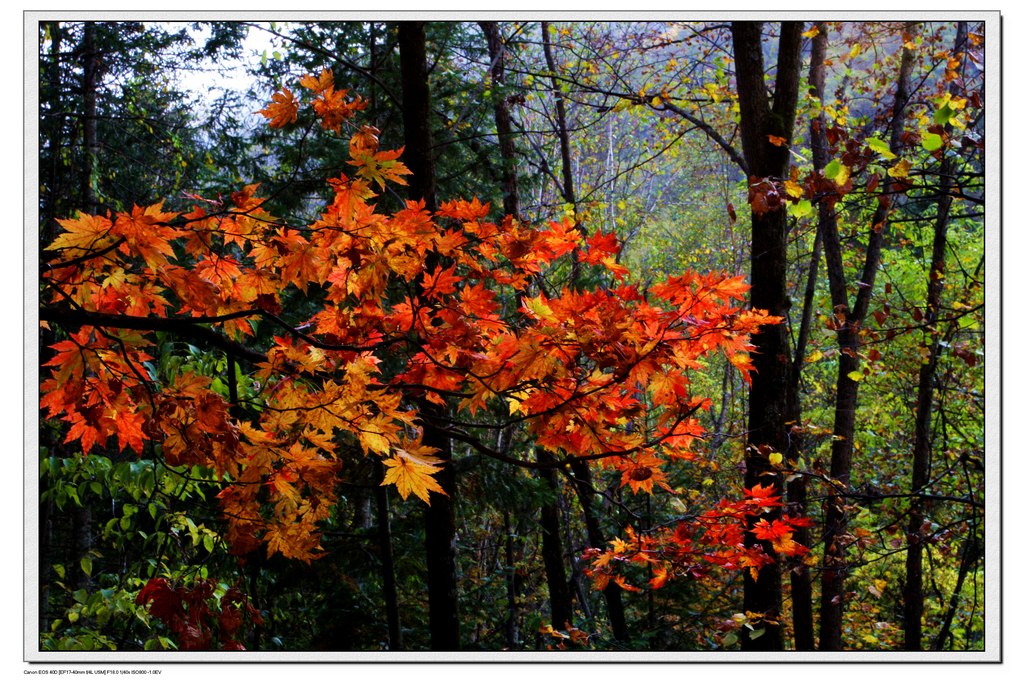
{"type": "Point", "coordinates": [801, 585]}
{"type": "Point", "coordinates": [502, 118]}
{"type": "Point", "coordinates": [55, 128]}
{"type": "Point", "coordinates": [596, 539]}
{"type": "Point", "coordinates": [761, 116]}
{"type": "Point", "coordinates": [387, 562]}
{"type": "Point", "coordinates": [568, 190]}
{"type": "Point", "coordinates": [848, 325]}
{"type": "Point", "coordinates": [913, 592]}
{"type": "Point", "coordinates": [970, 554]}
{"type": "Point", "coordinates": [551, 548]}
{"type": "Point", "coordinates": [416, 114]}
{"type": "Point", "coordinates": [800, 580]}
{"type": "Point", "coordinates": [90, 72]}
{"type": "Point", "coordinates": [442, 588]}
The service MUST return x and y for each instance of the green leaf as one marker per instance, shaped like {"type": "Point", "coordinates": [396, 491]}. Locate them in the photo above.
{"type": "Point", "coordinates": [837, 171]}
{"type": "Point", "coordinates": [801, 209]}
{"type": "Point", "coordinates": [943, 115]}
{"type": "Point", "coordinates": [856, 375]}
{"type": "Point", "coordinates": [931, 141]}
{"type": "Point", "coordinates": [86, 564]}
{"type": "Point", "coordinates": [880, 147]}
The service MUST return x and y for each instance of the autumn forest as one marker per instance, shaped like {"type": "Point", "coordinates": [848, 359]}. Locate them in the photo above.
{"type": "Point", "coordinates": [531, 336]}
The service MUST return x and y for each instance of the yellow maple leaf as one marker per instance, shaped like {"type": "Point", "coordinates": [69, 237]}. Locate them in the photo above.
{"type": "Point", "coordinates": [794, 190]}
{"type": "Point", "coordinates": [373, 441]}
{"type": "Point", "coordinates": [85, 233]}
{"type": "Point", "coordinates": [901, 169]}
{"type": "Point", "coordinates": [539, 308]}
{"type": "Point", "coordinates": [412, 474]}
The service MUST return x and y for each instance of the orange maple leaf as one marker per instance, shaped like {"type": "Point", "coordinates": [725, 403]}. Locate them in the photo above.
{"type": "Point", "coordinates": [282, 110]}
{"type": "Point", "coordinates": [318, 83]}
{"type": "Point", "coordinates": [382, 167]}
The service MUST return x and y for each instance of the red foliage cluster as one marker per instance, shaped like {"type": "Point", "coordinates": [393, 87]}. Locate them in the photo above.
{"type": "Point", "coordinates": [198, 621]}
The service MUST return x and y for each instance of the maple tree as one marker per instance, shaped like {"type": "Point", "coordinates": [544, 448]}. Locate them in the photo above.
{"type": "Point", "coordinates": [596, 375]}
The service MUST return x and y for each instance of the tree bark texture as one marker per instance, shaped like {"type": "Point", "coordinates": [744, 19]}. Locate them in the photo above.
{"type": "Point", "coordinates": [568, 190]}
{"type": "Point", "coordinates": [439, 517]}
{"type": "Point", "coordinates": [502, 118]}
{"type": "Point", "coordinates": [762, 115]}
{"type": "Point", "coordinates": [596, 539]}
{"type": "Point", "coordinates": [552, 550]}
{"type": "Point", "coordinates": [387, 562]}
{"type": "Point", "coordinates": [801, 584]}
{"type": "Point", "coordinates": [90, 73]}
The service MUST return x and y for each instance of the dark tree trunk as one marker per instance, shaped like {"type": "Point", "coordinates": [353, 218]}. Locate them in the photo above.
{"type": "Point", "coordinates": [83, 542]}
{"type": "Point", "coordinates": [46, 336]}
{"type": "Point", "coordinates": [551, 548]}
{"type": "Point", "coordinates": [913, 591]}
{"type": "Point", "coordinates": [596, 539]}
{"type": "Point", "coordinates": [568, 190]}
{"type": "Point", "coordinates": [442, 587]}
{"type": "Point", "coordinates": [800, 580]}
{"type": "Point", "coordinates": [970, 554]}
{"type": "Point", "coordinates": [761, 116]}
{"type": "Point", "coordinates": [502, 118]}
{"type": "Point", "coordinates": [416, 115]}
{"type": "Point", "coordinates": [90, 73]}
{"type": "Point", "coordinates": [561, 595]}
{"type": "Point", "coordinates": [55, 140]}
{"type": "Point", "coordinates": [387, 562]}
{"type": "Point", "coordinates": [440, 539]}
{"type": "Point", "coordinates": [510, 202]}
{"type": "Point", "coordinates": [848, 325]}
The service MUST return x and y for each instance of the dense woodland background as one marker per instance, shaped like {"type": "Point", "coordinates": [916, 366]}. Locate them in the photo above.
{"type": "Point", "coordinates": [838, 167]}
